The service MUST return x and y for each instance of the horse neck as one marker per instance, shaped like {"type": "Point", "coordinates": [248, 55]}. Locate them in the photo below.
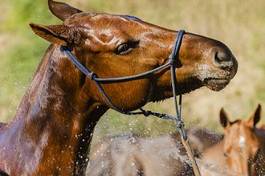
{"type": "Point", "coordinates": [54, 117]}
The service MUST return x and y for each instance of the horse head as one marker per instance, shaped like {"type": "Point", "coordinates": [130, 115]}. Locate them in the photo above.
{"type": "Point", "coordinates": [121, 45]}
{"type": "Point", "coordinates": [242, 142]}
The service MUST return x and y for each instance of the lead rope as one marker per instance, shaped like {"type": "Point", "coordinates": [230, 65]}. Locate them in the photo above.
{"type": "Point", "coordinates": [170, 64]}
{"type": "Point", "coordinates": [178, 107]}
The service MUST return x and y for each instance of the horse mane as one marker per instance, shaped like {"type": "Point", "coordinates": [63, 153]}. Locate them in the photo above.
{"type": "Point", "coordinates": [46, 56]}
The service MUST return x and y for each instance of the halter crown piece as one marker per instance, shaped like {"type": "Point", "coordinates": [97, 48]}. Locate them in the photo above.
{"type": "Point", "coordinates": [172, 65]}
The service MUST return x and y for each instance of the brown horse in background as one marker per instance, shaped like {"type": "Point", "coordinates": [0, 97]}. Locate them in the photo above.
{"type": "Point", "coordinates": [133, 155]}
{"type": "Point", "coordinates": [53, 126]}
{"type": "Point", "coordinates": [242, 149]}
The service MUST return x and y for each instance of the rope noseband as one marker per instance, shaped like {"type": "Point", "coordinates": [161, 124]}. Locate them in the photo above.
{"type": "Point", "coordinates": [172, 65]}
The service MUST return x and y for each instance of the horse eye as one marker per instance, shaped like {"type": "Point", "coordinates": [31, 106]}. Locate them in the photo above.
{"type": "Point", "coordinates": [225, 155]}
{"type": "Point", "coordinates": [125, 48]}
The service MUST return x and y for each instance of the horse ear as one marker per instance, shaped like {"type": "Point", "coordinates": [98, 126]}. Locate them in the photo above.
{"type": "Point", "coordinates": [255, 118]}
{"type": "Point", "coordinates": [56, 34]}
{"type": "Point", "coordinates": [62, 10]}
{"type": "Point", "coordinates": [224, 118]}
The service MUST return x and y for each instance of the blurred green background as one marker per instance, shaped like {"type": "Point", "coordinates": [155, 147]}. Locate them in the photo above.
{"type": "Point", "coordinates": [239, 24]}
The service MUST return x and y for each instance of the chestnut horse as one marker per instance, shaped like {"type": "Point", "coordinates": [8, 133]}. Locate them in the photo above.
{"type": "Point", "coordinates": [242, 149]}
{"type": "Point", "coordinates": [52, 129]}
{"type": "Point", "coordinates": [133, 155]}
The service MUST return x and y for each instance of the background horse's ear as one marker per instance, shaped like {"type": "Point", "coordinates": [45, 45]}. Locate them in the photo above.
{"type": "Point", "coordinates": [255, 118]}
{"type": "Point", "coordinates": [224, 118]}
{"type": "Point", "coordinates": [62, 10]}
{"type": "Point", "coordinates": [57, 34]}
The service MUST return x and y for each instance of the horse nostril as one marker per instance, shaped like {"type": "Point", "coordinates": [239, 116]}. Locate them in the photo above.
{"type": "Point", "coordinates": [223, 59]}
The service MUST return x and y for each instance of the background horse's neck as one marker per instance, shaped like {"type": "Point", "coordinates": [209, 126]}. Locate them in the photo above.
{"type": "Point", "coordinates": [54, 122]}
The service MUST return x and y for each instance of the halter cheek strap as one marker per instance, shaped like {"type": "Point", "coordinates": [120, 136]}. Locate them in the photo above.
{"type": "Point", "coordinates": [171, 64]}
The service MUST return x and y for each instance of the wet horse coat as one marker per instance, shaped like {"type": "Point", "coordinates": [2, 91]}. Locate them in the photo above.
{"type": "Point", "coordinates": [133, 155]}
{"type": "Point", "coordinates": [52, 128]}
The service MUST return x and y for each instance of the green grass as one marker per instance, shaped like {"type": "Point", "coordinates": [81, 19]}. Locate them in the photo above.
{"type": "Point", "coordinates": [242, 28]}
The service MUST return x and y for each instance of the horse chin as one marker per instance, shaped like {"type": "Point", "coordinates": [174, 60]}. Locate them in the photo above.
{"type": "Point", "coordinates": [188, 86]}
{"type": "Point", "coordinates": [216, 84]}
